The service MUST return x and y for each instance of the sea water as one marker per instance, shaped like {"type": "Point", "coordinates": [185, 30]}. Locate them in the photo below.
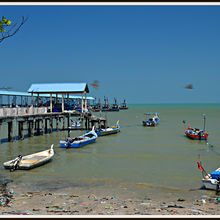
{"type": "Point", "coordinates": [156, 161]}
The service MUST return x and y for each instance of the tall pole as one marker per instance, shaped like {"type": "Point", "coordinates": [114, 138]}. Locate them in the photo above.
{"type": "Point", "coordinates": [51, 103]}
{"type": "Point", "coordinates": [32, 99]}
{"type": "Point", "coordinates": [37, 99]}
{"type": "Point", "coordinates": [85, 100]}
{"type": "Point", "coordinates": [204, 121]}
{"type": "Point", "coordinates": [62, 102]}
{"type": "Point", "coordinates": [82, 103]}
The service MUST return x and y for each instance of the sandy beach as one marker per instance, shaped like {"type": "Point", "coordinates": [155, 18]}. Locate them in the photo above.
{"type": "Point", "coordinates": [74, 201]}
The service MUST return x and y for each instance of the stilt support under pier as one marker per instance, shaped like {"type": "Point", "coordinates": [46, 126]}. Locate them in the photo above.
{"type": "Point", "coordinates": [10, 133]}
{"type": "Point", "coordinates": [20, 130]}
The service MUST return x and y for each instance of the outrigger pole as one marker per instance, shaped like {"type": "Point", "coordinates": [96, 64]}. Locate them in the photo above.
{"type": "Point", "coordinates": [204, 121]}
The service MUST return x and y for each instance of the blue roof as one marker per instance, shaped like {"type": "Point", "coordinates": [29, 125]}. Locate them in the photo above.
{"type": "Point", "coordinates": [151, 113]}
{"type": "Point", "coordinates": [59, 88]}
{"type": "Point", "coordinates": [14, 93]}
{"type": "Point", "coordinates": [3, 92]}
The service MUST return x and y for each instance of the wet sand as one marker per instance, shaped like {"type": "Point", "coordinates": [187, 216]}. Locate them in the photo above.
{"type": "Point", "coordinates": [76, 201]}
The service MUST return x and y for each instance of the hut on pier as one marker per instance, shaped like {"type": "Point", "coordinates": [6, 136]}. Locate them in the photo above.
{"type": "Point", "coordinates": [63, 89]}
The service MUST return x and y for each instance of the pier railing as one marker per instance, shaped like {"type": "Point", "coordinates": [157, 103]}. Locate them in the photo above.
{"type": "Point", "coordinates": [13, 112]}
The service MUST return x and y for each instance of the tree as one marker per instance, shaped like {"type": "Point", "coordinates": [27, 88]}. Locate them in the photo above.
{"type": "Point", "coordinates": [7, 29]}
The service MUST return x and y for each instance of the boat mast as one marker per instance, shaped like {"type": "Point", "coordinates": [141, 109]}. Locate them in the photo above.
{"type": "Point", "coordinates": [204, 121]}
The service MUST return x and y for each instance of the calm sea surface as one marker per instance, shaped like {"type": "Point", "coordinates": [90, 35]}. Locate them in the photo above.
{"type": "Point", "coordinates": [158, 160]}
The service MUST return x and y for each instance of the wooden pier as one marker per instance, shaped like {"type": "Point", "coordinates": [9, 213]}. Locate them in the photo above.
{"type": "Point", "coordinates": [39, 121]}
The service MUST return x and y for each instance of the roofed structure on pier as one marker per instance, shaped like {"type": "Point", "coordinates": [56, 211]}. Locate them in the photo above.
{"type": "Point", "coordinates": [60, 88]}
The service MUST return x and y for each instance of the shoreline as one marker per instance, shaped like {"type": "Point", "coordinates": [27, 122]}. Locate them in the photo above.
{"type": "Point", "coordinates": [75, 201]}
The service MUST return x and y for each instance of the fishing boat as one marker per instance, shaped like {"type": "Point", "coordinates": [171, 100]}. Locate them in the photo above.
{"type": "Point", "coordinates": [123, 105]}
{"type": "Point", "coordinates": [110, 130]}
{"type": "Point", "coordinates": [210, 180]}
{"type": "Point", "coordinates": [30, 161]}
{"type": "Point", "coordinates": [87, 138]}
{"type": "Point", "coordinates": [196, 133]}
{"type": "Point", "coordinates": [115, 106]}
{"type": "Point", "coordinates": [153, 120]}
{"type": "Point", "coordinates": [106, 106]}
{"type": "Point", "coordinates": [97, 107]}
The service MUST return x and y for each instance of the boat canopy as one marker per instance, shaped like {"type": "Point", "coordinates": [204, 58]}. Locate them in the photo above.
{"type": "Point", "coordinates": [151, 113]}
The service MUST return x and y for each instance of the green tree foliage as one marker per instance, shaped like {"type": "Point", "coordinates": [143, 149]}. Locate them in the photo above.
{"type": "Point", "coordinates": [4, 23]}
{"type": "Point", "coordinates": [7, 29]}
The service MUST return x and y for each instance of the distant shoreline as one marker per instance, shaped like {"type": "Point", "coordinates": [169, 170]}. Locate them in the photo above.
{"type": "Point", "coordinates": [180, 104]}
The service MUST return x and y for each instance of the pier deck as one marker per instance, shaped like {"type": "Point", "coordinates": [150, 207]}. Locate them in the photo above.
{"type": "Point", "coordinates": [37, 120]}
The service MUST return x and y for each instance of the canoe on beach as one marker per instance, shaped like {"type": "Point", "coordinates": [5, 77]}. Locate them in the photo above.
{"type": "Point", "coordinates": [30, 161]}
{"type": "Point", "coordinates": [212, 180]}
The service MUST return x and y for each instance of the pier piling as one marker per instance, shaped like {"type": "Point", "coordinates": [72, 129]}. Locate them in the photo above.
{"type": "Point", "coordinates": [37, 124]}
{"type": "Point", "coordinates": [51, 125]}
{"type": "Point", "coordinates": [20, 130]}
{"type": "Point", "coordinates": [10, 134]}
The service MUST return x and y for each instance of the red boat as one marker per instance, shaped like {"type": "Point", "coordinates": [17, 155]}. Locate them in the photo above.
{"type": "Point", "coordinates": [196, 134]}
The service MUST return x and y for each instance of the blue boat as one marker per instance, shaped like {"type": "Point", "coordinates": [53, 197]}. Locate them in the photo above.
{"type": "Point", "coordinates": [107, 131]}
{"type": "Point", "coordinates": [87, 138]}
{"type": "Point", "coordinates": [115, 106]}
{"type": "Point", "coordinates": [123, 105]}
{"type": "Point", "coordinates": [106, 106]}
{"type": "Point", "coordinates": [153, 120]}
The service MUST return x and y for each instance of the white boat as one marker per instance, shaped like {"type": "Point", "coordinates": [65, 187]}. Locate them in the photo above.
{"type": "Point", "coordinates": [30, 161]}
{"type": "Point", "coordinates": [210, 183]}
{"type": "Point", "coordinates": [76, 124]}
{"type": "Point", "coordinates": [153, 120]}
{"type": "Point", "coordinates": [211, 180]}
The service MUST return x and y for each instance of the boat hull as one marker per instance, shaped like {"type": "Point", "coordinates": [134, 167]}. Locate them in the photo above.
{"type": "Point", "coordinates": [30, 161]}
{"type": "Point", "coordinates": [190, 133]}
{"type": "Point", "coordinates": [210, 183]}
{"type": "Point", "coordinates": [103, 133]}
{"type": "Point", "coordinates": [76, 144]}
{"type": "Point", "coordinates": [150, 124]}
{"type": "Point", "coordinates": [195, 137]}
{"type": "Point", "coordinates": [108, 131]}
{"type": "Point", "coordinates": [29, 167]}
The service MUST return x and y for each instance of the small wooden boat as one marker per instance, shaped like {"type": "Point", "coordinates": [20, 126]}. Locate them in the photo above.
{"type": "Point", "coordinates": [107, 131]}
{"type": "Point", "coordinates": [30, 161]}
{"type": "Point", "coordinates": [195, 133]}
{"type": "Point", "coordinates": [87, 138]}
{"type": "Point", "coordinates": [152, 121]}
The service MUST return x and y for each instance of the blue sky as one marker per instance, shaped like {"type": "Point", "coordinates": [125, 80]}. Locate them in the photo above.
{"type": "Point", "coordinates": [146, 54]}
